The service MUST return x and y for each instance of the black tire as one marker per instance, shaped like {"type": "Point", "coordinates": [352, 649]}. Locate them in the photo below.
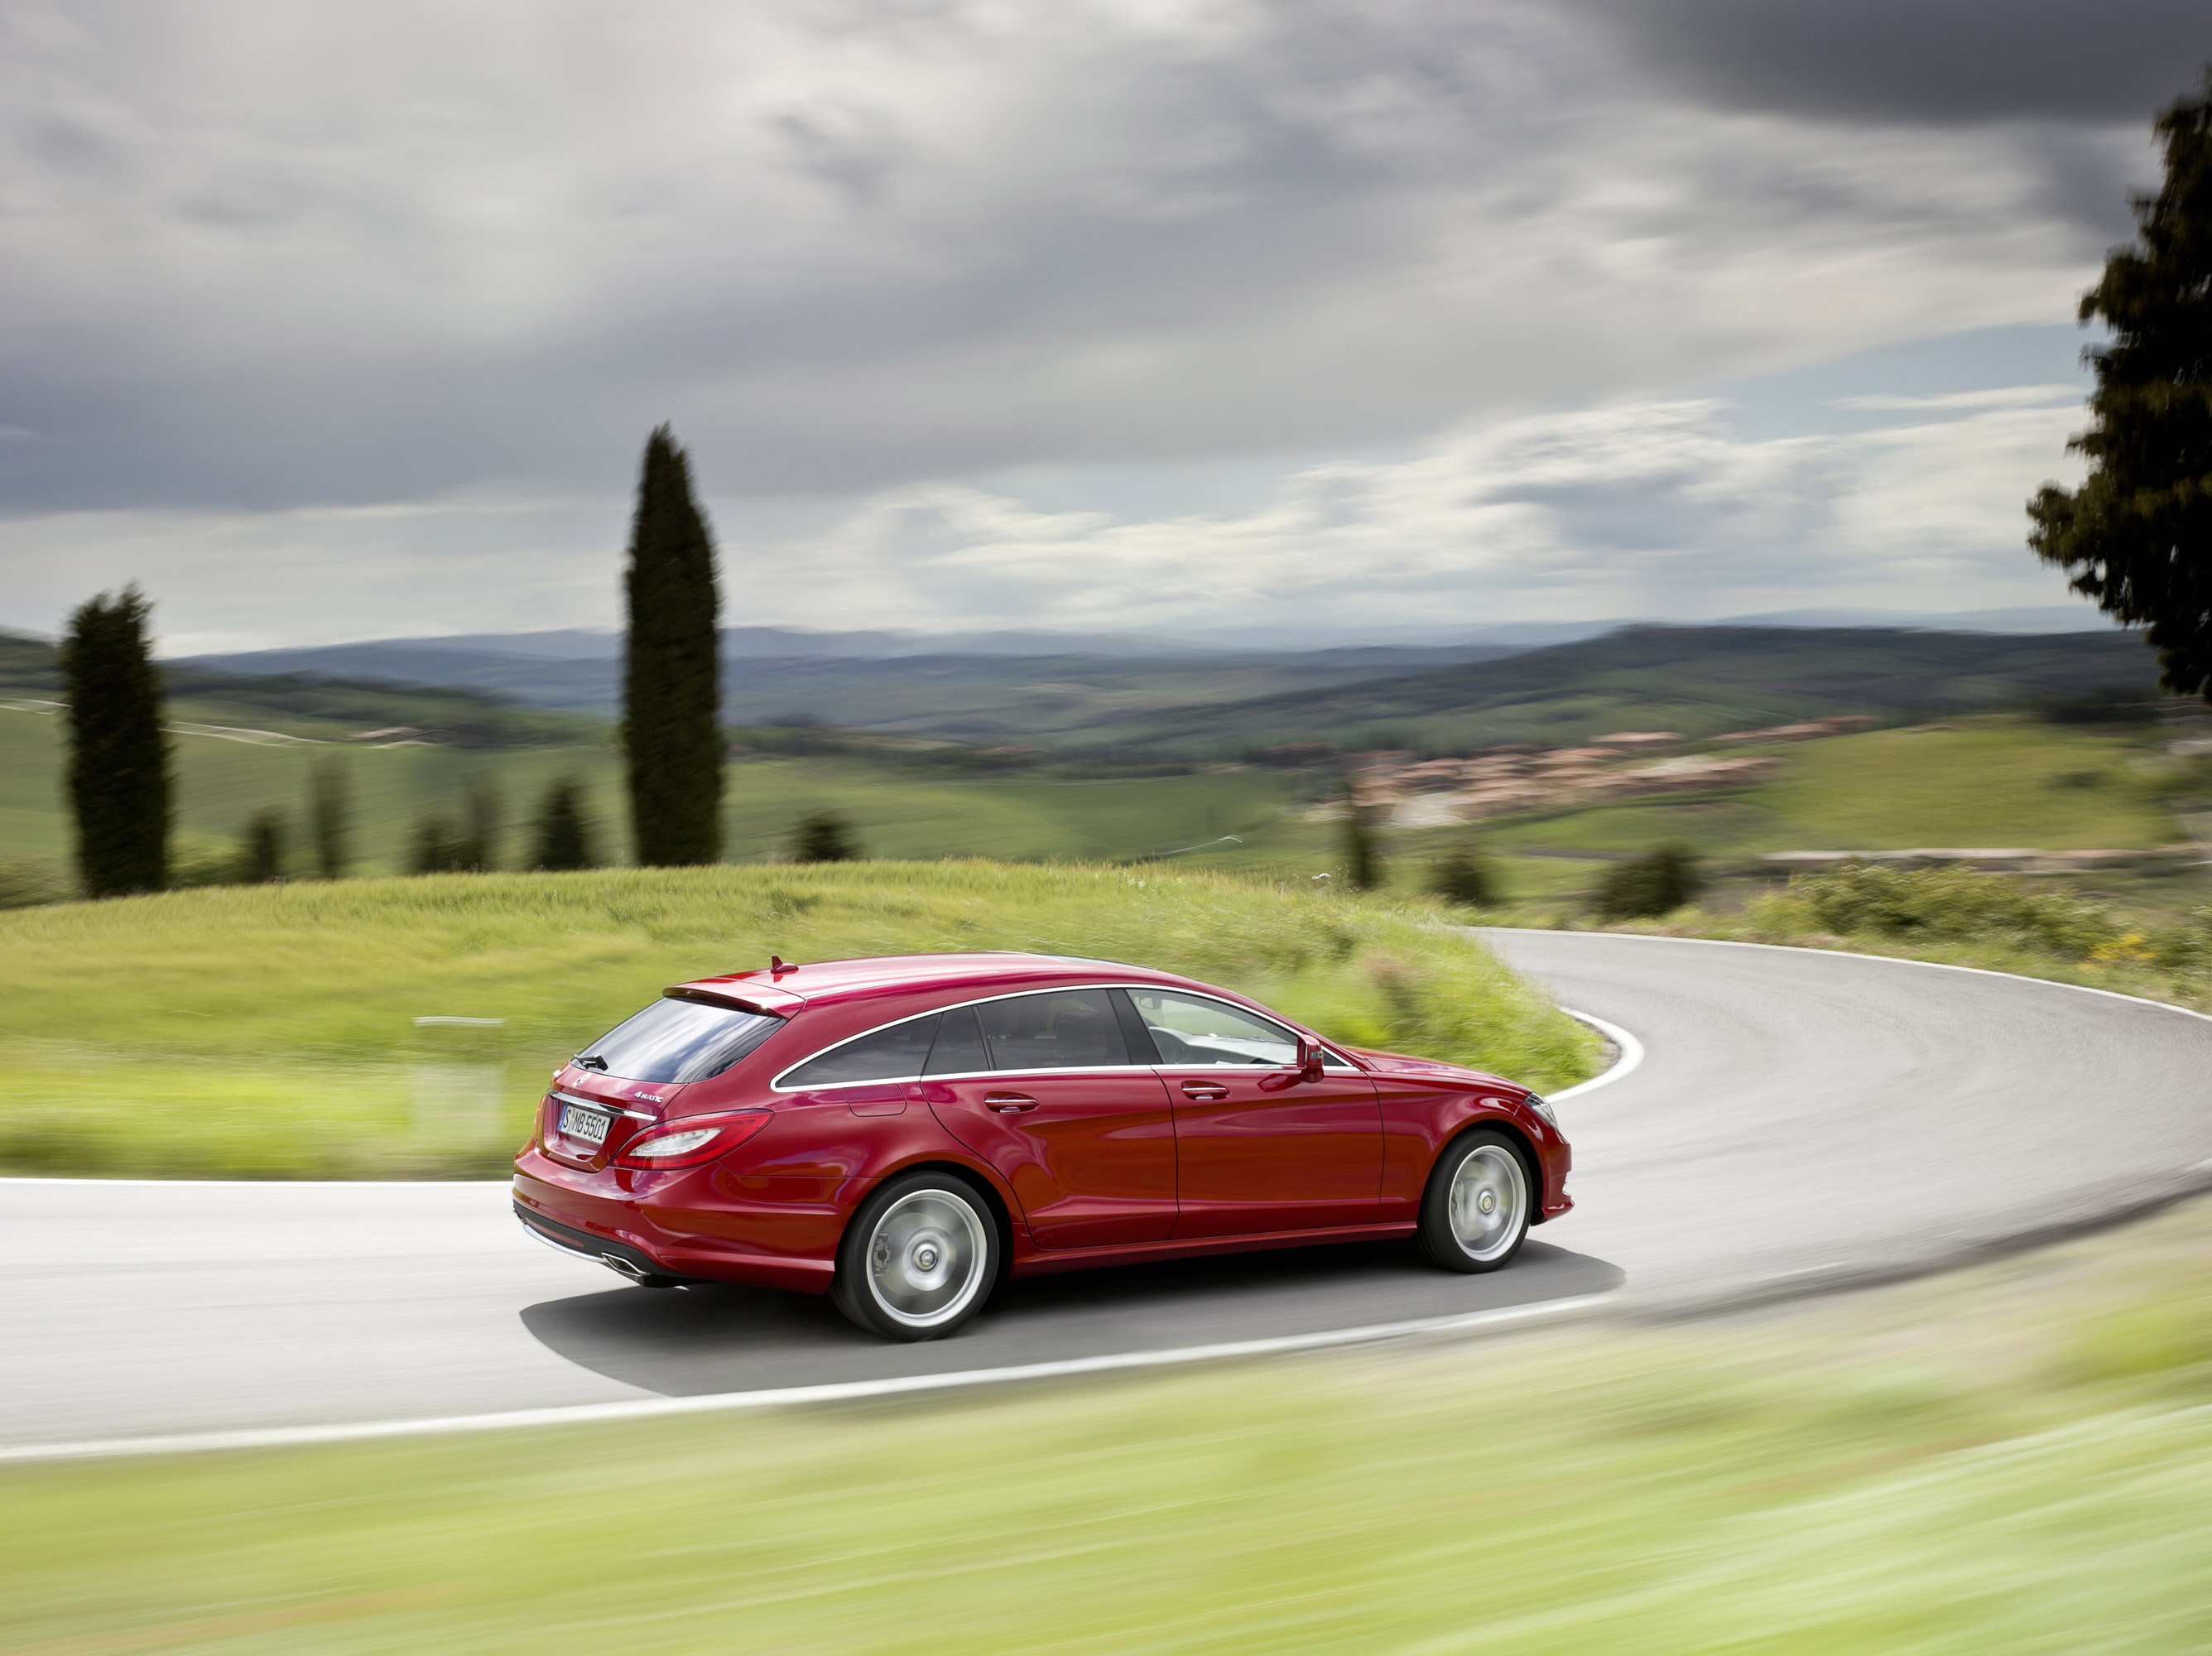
{"type": "Point", "coordinates": [918, 1258]}
{"type": "Point", "coordinates": [1480, 1197]}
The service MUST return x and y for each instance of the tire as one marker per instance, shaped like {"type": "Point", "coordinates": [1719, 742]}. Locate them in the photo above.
{"type": "Point", "coordinates": [1475, 1212]}
{"type": "Point", "coordinates": [919, 1259]}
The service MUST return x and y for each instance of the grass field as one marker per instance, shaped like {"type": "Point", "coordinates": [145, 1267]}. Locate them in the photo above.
{"type": "Point", "coordinates": [2017, 1458]}
{"type": "Point", "coordinates": [1978, 783]}
{"type": "Point", "coordinates": [899, 813]}
{"type": "Point", "coordinates": [267, 1031]}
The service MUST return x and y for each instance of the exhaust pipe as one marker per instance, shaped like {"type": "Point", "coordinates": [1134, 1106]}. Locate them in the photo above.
{"type": "Point", "coordinates": [628, 1267]}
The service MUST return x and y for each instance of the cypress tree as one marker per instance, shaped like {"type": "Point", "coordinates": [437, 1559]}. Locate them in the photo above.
{"type": "Point", "coordinates": [261, 849]}
{"type": "Point", "coordinates": [564, 829]}
{"type": "Point", "coordinates": [478, 851]}
{"type": "Point", "coordinates": [118, 776]}
{"type": "Point", "coordinates": [2138, 534]}
{"type": "Point", "coordinates": [330, 819]}
{"type": "Point", "coordinates": [672, 670]}
{"type": "Point", "coordinates": [1363, 867]}
{"type": "Point", "coordinates": [438, 848]}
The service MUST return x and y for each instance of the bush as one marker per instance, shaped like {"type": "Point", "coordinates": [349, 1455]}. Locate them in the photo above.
{"type": "Point", "coordinates": [825, 837]}
{"type": "Point", "coordinates": [1464, 875]}
{"type": "Point", "coordinates": [1659, 882]}
{"type": "Point", "coordinates": [439, 847]}
{"type": "Point", "coordinates": [1956, 902]}
{"type": "Point", "coordinates": [261, 849]}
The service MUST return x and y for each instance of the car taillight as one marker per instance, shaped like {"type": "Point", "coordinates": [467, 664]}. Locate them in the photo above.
{"type": "Point", "coordinates": [688, 1146]}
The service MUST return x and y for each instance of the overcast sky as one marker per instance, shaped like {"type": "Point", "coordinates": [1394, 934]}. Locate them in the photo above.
{"type": "Point", "coordinates": [330, 322]}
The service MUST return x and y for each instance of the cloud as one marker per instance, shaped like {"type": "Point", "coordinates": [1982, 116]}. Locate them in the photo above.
{"type": "Point", "coordinates": [1652, 508]}
{"type": "Point", "coordinates": [1945, 62]}
{"type": "Point", "coordinates": [261, 257]}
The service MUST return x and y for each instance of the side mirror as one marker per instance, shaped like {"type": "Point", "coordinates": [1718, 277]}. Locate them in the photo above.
{"type": "Point", "coordinates": [1309, 1060]}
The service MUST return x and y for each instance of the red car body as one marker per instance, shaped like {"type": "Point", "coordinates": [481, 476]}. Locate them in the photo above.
{"type": "Point", "coordinates": [1097, 1165]}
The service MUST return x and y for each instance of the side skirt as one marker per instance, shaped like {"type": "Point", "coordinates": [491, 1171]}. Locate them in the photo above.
{"type": "Point", "coordinates": [1031, 1261]}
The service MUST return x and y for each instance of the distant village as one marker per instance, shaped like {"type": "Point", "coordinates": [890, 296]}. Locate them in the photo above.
{"type": "Point", "coordinates": [1402, 790]}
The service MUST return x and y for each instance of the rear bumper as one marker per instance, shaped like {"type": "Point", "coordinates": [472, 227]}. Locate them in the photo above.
{"type": "Point", "coordinates": [679, 1227]}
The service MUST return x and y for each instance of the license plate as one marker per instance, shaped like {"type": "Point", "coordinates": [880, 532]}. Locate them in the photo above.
{"type": "Point", "coordinates": [588, 1125]}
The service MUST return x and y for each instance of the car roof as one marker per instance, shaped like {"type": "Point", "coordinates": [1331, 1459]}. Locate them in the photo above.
{"type": "Point", "coordinates": [827, 982]}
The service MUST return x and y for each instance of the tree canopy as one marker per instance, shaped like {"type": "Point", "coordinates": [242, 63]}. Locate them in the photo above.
{"type": "Point", "coordinates": [2137, 533]}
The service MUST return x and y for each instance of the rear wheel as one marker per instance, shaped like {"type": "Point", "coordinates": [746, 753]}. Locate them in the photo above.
{"type": "Point", "coordinates": [918, 1258]}
{"type": "Point", "coordinates": [1475, 1215]}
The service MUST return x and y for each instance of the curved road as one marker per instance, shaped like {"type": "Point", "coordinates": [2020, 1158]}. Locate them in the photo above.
{"type": "Point", "coordinates": [1798, 1117]}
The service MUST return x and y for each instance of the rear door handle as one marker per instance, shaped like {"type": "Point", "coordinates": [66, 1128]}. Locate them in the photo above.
{"type": "Point", "coordinates": [1211, 1091]}
{"type": "Point", "coordinates": [1010, 1104]}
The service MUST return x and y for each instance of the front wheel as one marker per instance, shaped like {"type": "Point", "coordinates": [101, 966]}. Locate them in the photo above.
{"type": "Point", "coordinates": [918, 1258]}
{"type": "Point", "coordinates": [1475, 1215]}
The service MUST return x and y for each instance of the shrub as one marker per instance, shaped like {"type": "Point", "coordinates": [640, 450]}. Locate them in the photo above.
{"type": "Point", "coordinates": [1658, 882]}
{"type": "Point", "coordinates": [1464, 875]}
{"type": "Point", "coordinates": [825, 837]}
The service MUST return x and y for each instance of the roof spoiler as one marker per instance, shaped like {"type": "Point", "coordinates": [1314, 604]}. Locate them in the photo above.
{"type": "Point", "coordinates": [745, 997]}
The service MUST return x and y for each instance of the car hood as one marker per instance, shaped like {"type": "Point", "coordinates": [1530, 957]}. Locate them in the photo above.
{"type": "Point", "coordinates": [1397, 1063]}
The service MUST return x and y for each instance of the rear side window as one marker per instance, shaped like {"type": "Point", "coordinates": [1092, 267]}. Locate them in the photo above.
{"type": "Point", "coordinates": [674, 1040]}
{"type": "Point", "coordinates": [959, 1047]}
{"type": "Point", "coordinates": [1061, 1029]}
{"type": "Point", "coordinates": [885, 1054]}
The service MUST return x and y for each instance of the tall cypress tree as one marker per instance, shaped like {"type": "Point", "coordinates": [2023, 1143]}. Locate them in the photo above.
{"type": "Point", "coordinates": [672, 671]}
{"type": "Point", "coordinates": [118, 761]}
{"type": "Point", "coordinates": [330, 819]}
{"type": "Point", "coordinates": [2137, 533]}
{"type": "Point", "coordinates": [564, 829]}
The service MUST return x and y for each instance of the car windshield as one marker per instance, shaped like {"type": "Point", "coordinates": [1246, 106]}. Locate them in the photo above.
{"type": "Point", "coordinates": [674, 1040]}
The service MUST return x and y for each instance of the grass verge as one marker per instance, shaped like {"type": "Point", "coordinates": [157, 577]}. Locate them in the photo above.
{"type": "Point", "coordinates": [267, 1031]}
{"type": "Point", "coordinates": [2017, 1458]}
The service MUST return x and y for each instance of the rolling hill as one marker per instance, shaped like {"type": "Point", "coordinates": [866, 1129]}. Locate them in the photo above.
{"type": "Point", "coordinates": [1698, 680]}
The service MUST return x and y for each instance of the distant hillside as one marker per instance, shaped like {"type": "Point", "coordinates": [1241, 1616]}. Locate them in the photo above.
{"type": "Point", "coordinates": [303, 705]}
{"type": "Point", "coordinates": [1699, 681]}
{"type": "Point", "coordinates": [981, 697]}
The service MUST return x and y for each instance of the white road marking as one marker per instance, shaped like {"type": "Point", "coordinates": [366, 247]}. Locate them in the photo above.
{"type": "Point", "coordinates": [285, 1437]}
{"type": "Point", "coordinates": [1631, 1054]}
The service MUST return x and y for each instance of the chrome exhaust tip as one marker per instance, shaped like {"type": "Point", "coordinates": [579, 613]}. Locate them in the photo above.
{"type": "Point", "coordinates": [629, 1267]}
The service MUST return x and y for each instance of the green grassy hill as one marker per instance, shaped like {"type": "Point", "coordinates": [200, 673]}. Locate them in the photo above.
{"type": "Point", "coordinates": [900, 810]}
{"type": "Point", "coordinates": [316, 707]}
{"type": "Point", "coordinates": [1699, 681]}
{"type": "Point", "coordinates": [268, 1031]}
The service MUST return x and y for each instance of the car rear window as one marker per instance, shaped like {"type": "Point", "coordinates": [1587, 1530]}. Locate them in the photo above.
{"type": "Point", "coordinates": [678, 1040]}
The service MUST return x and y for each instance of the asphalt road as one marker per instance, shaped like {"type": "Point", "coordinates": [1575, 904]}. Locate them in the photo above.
{"type": "Point", "coordinates": [1798, 1118]}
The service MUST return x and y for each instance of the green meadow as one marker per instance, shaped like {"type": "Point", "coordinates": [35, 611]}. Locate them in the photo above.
{"type": "Point", "coordinates": [268, 1031]}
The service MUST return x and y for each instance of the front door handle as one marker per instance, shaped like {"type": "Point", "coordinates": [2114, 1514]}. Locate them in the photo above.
{"type": "Point", "coordinates": [1209, 1092]}
{"type": "Point", "coordinates": [1010, 1104]}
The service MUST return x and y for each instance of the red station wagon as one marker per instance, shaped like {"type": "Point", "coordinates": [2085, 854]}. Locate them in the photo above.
{"type": "Point", "coordinates": [902, 1133]}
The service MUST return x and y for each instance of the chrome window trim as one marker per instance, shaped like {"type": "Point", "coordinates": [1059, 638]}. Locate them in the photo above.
{"type": "Point", "coordinates": [776, 1084]}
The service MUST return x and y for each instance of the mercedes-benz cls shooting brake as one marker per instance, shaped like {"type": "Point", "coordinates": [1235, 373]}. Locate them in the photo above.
{"type": "Point", "coordinates": [901, 1134]}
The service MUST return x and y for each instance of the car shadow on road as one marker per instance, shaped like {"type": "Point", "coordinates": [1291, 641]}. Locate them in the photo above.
{"type": "Point", "coordinates": [690, 1341]}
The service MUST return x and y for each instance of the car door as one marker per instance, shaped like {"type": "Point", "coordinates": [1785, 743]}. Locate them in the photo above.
{"type": "Point", "coordinates": [1259, 1148]}
{"type": "Point", "coordinates": [1044, 1088]}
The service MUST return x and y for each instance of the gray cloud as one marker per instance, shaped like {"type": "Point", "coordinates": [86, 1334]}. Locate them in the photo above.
{"type": "Point", "coordinates": [254, 255]}
{"type": "Point", "coordinates": [1942, 61]}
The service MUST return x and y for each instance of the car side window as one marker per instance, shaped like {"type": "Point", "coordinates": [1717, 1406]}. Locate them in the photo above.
{"type": "Point", "coordinates": [1191, 1029]}
{"type": "Point", "coordinates": [883, 1055]}
{"type": "Point", "coordinates": [959, 1047]}
{"type": "Point", "coordinates": [1059, 1029]}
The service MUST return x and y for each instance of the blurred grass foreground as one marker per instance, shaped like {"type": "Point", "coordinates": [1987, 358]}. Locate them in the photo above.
{"type": "Point", "coordinates": [2015, 1458]}
{"type": "Point", "coordinates": [405, 1027]}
